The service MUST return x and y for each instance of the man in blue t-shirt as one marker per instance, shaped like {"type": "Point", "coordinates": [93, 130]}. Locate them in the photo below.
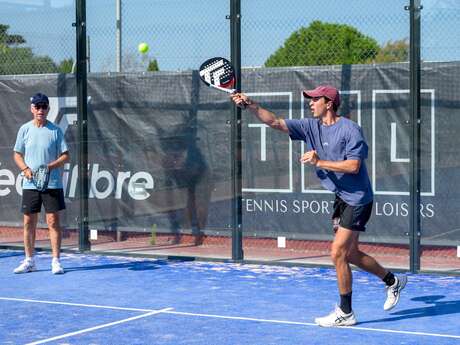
{"type": "Point", "coordinates": [40, 142]}
{"type": "Point", "coordinates": [337, 149]}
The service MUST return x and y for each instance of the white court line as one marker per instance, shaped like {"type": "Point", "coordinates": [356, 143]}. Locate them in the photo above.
{"type": "Point", "coordinates": [168, 311]}
{"type": "Point", "coordinates": [241, 318]}
{"type": "Point", "coordinates": [98, 327]}
{"type": "Point", "coordinates": [74, 304]}
{"type": "Point", "coordinates": [313, 324]}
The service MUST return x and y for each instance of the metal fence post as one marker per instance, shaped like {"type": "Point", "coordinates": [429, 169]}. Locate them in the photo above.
{"type": "Point", "coordinates": [414, 222]}
{"type": "Point", "coordinates": [118, 35]}
{"type": "Point", "coordinates": [237, 217]}
{"type": "Point", "coordinates": [82, 117]}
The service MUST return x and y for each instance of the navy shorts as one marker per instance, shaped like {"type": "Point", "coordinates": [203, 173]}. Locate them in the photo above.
{"type": "Point", "coordinates": [52, 200]}
{"type": "Point", "coordinates": [351, 217]}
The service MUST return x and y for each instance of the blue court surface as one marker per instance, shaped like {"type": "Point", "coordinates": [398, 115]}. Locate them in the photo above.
{"type": "Point", "coordinates": [117, 300]}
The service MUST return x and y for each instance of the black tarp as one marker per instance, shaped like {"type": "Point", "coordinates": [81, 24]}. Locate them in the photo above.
{"type": "Point", "coordinates": [159, 150]}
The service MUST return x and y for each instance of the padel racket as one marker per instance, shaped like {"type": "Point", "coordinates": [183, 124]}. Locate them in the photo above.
{"type": "Point", "coordinates": [41, 177]}
{"type": "Point", "coordinates": [218, 73]}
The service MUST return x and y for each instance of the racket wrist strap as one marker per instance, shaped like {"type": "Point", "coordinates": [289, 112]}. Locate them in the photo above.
{"type": "Point", "coordinates": [25, 169]}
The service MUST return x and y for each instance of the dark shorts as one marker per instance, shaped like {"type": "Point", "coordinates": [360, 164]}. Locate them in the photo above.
{"type": "Point", "coordinates": [52, 200]}
{"type": "Point", "coordinates": [350, 217]}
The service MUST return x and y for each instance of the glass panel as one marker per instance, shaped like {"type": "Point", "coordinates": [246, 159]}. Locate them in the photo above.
{"type": "Point", "coordinates": [362, 50]}
{"type": "Point", "coordinates": [159, 138]}
{"type": "Point", "coordinates": [35, 58]}
{"type": "Point", "coordinates": [439, 147]}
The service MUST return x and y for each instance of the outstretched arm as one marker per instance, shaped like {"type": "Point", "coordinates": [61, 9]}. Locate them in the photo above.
{"type": "Point", "coordinates": [264, 115]}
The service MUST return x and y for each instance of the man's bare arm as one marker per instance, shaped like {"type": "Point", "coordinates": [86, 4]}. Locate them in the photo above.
{"type": "Point", "coordinates": [264, 115]}
{"type": "Point", "coordinates": [21, 164]}
{"type": "Point", "coordinates": [349, 166]}
{"type": "Point", "coordinates": [63, 158]}
{"type": "Point", "coordinates": [19, 160]}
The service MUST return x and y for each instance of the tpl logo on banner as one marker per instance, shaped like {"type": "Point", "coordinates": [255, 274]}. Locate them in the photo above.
{"type": "Point", "coordinates": [63, 111]}
{"type": "Point", "coordinates": [389, 161]}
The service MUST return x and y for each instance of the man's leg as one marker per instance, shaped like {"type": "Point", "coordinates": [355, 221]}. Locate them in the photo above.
{"type": "Point", "coordinates": [342, 315]}
{"type": "Point", "coordinates": [364, 261]}
{"type": "Point", "coordinates": [341, 246]}
{"type": "Point", "coordinates": [52, 219]}
{"type": "Point", "coordinates": [53, 200]}
{"type": "Point", "coordinates": [367, 263]}
{"type": "Point", "coordinates": [30, 226]}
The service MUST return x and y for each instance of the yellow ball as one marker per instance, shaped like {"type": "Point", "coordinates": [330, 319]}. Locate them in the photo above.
{"type": "Point", "coordinates": [143, 48]}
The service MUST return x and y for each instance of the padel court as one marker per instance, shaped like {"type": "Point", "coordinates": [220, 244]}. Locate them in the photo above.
{"type": "Point", "coordinates": [121, 300]}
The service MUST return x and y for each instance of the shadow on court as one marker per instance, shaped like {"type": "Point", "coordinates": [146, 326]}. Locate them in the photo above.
{"type": "Point", "coordinates": [132, 266]}
{"type": "Point", "coordinates": [436, 308]}
{"type": "Point", "coordinates": [7, 255]}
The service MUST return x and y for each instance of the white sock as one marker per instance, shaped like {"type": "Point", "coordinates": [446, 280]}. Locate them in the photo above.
{"type": "Point", "coordinates": [55, 259]}
{"type": "Point", "coordinates": [30, 258]}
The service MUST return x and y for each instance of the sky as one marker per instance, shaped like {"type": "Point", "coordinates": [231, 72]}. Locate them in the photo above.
{"type": "Point", "coordinates": [183, 33]}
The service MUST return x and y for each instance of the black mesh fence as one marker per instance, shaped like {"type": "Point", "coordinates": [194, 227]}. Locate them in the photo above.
{"type": "Point", "coordinates": [36, 37]}
{"type": "Point", "coordinates": [180, 34]}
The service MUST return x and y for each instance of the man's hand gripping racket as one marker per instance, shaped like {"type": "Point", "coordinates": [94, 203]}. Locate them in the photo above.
{"type": "Point", "coordinates": [41, 177]}
{"type": "Point", "coordinates": [219, 74]}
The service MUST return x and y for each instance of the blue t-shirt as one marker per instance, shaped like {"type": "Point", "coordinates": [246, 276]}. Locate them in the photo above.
{"type": "Point", "coordinates": [41, 145]}
{"type": "Point", "coordinates": [338, 142]}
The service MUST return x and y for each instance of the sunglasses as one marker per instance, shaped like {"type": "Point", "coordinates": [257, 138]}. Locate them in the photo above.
{"type": "Point", "coordinates": [39, 106]}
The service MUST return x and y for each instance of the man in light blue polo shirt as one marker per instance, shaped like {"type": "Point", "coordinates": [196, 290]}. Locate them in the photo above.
{"type": "Point", "coordinates": [337, 149]}
{"type": "Point", "coordinates": [40, 142]}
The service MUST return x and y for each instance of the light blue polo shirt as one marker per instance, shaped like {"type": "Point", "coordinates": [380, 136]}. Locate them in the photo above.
{"type": "Point", "coordinates": [341, 141]}
{"type": "Point", "coordinates": [41, 145]}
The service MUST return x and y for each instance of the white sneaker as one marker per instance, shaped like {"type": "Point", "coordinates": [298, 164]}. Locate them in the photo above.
{"type": "Point", "coordinates": [394, 291]}
{"type": "Point", "coordinates": [56, 267]}
{"type": "Point", "coordinates": [28, 265]}
{"type": "Point", "coordinates": [336, 318]}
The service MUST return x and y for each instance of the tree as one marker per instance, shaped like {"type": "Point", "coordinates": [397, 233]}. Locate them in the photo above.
{"type": "Point", "coordinates": [66, 66]}
{"type": "Point", "coordinates": [21, 60]}
{"type": "Point", "coordinates": [153, 66]}
{"type": "Point", "coordinates": [396, 51]}
{"type": "Point", "coordinates": [325, 44]}
{"type": "Point", "coordinates": [7, 39]}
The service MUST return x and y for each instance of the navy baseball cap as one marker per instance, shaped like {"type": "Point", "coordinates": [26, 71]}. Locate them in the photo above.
{"type": "Point", "coordinates": [39, 98]}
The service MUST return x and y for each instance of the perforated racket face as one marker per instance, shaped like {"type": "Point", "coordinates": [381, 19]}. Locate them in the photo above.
{"type": "Point", "coordinates": [219, 72]}
{"type": "Point", "coordinates": [41, 177]}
